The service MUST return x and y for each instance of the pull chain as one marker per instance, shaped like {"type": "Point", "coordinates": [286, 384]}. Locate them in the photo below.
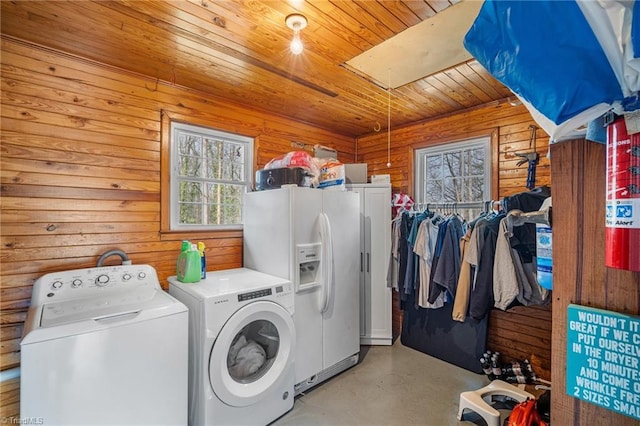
{"type": "Point", "coordinates": [389, 121]}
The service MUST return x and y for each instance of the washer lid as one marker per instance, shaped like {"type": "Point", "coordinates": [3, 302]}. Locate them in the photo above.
{"type": "Point", "coordinates": [108, 306]}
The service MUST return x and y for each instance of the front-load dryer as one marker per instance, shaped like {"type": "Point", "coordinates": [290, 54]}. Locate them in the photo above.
{"type": "Point", "coordinates": [104, 346]}
{"type": "Point", "coordinates": [241, 347]}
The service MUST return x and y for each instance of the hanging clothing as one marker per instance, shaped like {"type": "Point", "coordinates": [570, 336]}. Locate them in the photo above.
{"type": "Point", "coordinates": [524, 237]}
{"type": "Point", "coordinates": [481, 300]}
{"type": "Point", "coordinates": [533, 294]}
{"type": "Point", "coordinates": [435, 261]}
{"type": "Point", "coordinates": [523, 254]}
{"type": "Point", "coordinates": [412, 272]}
{"type": "Point", "coordinates": [434, 289]}
{"type": "Point", "coordinates": [403, 252]}
{"type": "Point", "coordinates": [506, 285]}
{"type": "Point", "coordinates": [424, 248]}
{"type": "Point", "coordinates": [514, 280]}
{"type": "Point", "coordinates": [448, 268]}
{"type": "Point", "coordinates": [463, 291]}
{"type": "Point", "coordinates": [476, 241]}
{"type": "Point", "coordinates": [394, 258]}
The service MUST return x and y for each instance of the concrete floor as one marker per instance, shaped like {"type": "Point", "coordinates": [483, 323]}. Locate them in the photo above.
{"type": "Point", "coordinates": [391, 385]}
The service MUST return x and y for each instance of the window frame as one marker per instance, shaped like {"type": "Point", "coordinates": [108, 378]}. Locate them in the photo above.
{"type": "Point", "coordinates": [445, 144]}
{"type": "Point", "coordinates": [168, 185]}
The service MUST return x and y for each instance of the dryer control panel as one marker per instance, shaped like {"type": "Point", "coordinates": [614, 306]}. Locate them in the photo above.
{"type": "Point", "coordinates": [279, 290]}
{"type": "Point", "coordinates": [255, 294]}
{"type": "Point", "coordinates": [91, 282]}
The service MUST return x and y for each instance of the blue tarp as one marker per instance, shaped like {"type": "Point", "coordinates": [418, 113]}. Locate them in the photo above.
{"type": "Point", "coordinates": [561, 58]}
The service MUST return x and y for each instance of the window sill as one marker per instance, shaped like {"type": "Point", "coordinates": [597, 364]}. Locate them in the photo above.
{"type": "Point", "coordinates": [200, 234]}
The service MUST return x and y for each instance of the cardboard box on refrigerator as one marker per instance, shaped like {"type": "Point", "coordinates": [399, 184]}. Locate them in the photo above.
{"type": "Point", "coordinates": [320, 151]}
{"type": "Point", "coordinates": [355, 173]}
{"type": "Point", "coordinates": [381, 178]}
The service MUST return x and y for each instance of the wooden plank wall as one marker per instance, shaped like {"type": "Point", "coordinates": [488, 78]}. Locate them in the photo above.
{"type": "Point", "coordinates": [579, 272]}
{"type": "Point", "coordinates": [80, 173]}
{"type": "Point", "coordinates": [522, 332]}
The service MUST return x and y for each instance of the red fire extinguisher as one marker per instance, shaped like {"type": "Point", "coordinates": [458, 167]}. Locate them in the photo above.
{"type": "Point", "coordinates": [622, 239]}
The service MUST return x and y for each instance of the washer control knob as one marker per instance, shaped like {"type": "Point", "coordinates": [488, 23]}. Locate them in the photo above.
{"type": "Point", "coordinates": [142, 275]}
{"type": "Point", "coordinates": [76, 283]}
{"type": "Point", "coordinates": [56, 285]}
{"type": "Point", "coordinates": [126, 277]}
{"type": "Point", "coordinates": [102, 280]}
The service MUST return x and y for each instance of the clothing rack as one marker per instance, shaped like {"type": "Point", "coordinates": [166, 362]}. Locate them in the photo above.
{"type": "Point", "coordinates": [458, 334]}
{"type": "Point", "coordinates": [487, 205]}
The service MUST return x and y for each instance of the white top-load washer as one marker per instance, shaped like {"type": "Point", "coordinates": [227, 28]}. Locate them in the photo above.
{"type": "Point", "coordinates": [104, 346]}
{"type": "Point", "coordinates": [241, 347]}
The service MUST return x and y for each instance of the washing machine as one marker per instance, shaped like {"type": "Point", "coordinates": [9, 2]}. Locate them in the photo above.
{"type": "Point", "coordinates": [104, 346]}
{"type": "Point", "coordinates": [241, 347]}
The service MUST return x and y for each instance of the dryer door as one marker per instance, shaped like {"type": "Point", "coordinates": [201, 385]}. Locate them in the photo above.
{"type": "Point", "coordinates": [251, 354]}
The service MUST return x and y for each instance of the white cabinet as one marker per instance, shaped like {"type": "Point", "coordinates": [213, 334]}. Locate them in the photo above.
{"type": "Point", "coordinates": [375, 248]}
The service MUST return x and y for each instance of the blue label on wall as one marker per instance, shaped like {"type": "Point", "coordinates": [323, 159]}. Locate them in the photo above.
{"type": "Point", "coordinates": [603, 359]}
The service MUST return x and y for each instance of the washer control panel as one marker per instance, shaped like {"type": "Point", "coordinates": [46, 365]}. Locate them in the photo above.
{"type": "Point", "coordinates": [255, 294]}
{"type": "Point", "coordinates": [79, 283]}
{"type": "Point", "coordinates": [113, 305]}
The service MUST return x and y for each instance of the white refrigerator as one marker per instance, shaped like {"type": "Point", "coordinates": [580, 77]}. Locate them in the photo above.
{"type": "Point", "coordinates": [312, 238]}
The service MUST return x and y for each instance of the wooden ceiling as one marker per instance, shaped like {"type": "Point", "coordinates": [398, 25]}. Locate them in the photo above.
{"type": "Point", "coordinates": [238, 50]}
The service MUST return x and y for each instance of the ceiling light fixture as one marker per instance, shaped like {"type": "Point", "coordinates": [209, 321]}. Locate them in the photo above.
{"type": "Point", "coordinates": [296, 22]}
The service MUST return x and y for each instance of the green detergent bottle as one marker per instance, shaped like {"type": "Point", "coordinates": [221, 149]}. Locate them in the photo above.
{"type": "Point", "coordinates": [188, 267]}
{"type": "Point", "coordinates": [182, 258]}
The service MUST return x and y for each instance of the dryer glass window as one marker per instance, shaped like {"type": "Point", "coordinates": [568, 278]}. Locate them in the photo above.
{"type": "Point", "coordinates": [253, 351]}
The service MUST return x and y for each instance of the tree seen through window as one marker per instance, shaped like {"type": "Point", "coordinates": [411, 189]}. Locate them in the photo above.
{"type": "Point", "coordinates": [453, 173]}
{"type": "Point", "coordinates": [211, 175]}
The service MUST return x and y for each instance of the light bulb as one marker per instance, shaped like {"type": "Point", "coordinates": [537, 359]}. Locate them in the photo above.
{"type": "Point", "coordinates": [296, 44]}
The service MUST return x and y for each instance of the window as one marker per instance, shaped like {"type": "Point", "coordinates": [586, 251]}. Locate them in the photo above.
{"type": "Point", "coordinates": [210, 172]}
{"type": "Point", "coordinates": [454, 173]}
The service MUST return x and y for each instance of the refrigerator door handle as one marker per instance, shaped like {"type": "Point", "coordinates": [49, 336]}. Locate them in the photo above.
{"type": "Point", "coordinates": [327, 247]}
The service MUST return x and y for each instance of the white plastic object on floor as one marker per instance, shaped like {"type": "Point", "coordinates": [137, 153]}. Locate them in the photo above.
{"type": "Point", "coordinates": [477, 400]}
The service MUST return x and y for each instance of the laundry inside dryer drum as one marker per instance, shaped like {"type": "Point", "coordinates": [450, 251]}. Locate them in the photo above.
{"type": "Point", "coordinates": [253, 351]}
